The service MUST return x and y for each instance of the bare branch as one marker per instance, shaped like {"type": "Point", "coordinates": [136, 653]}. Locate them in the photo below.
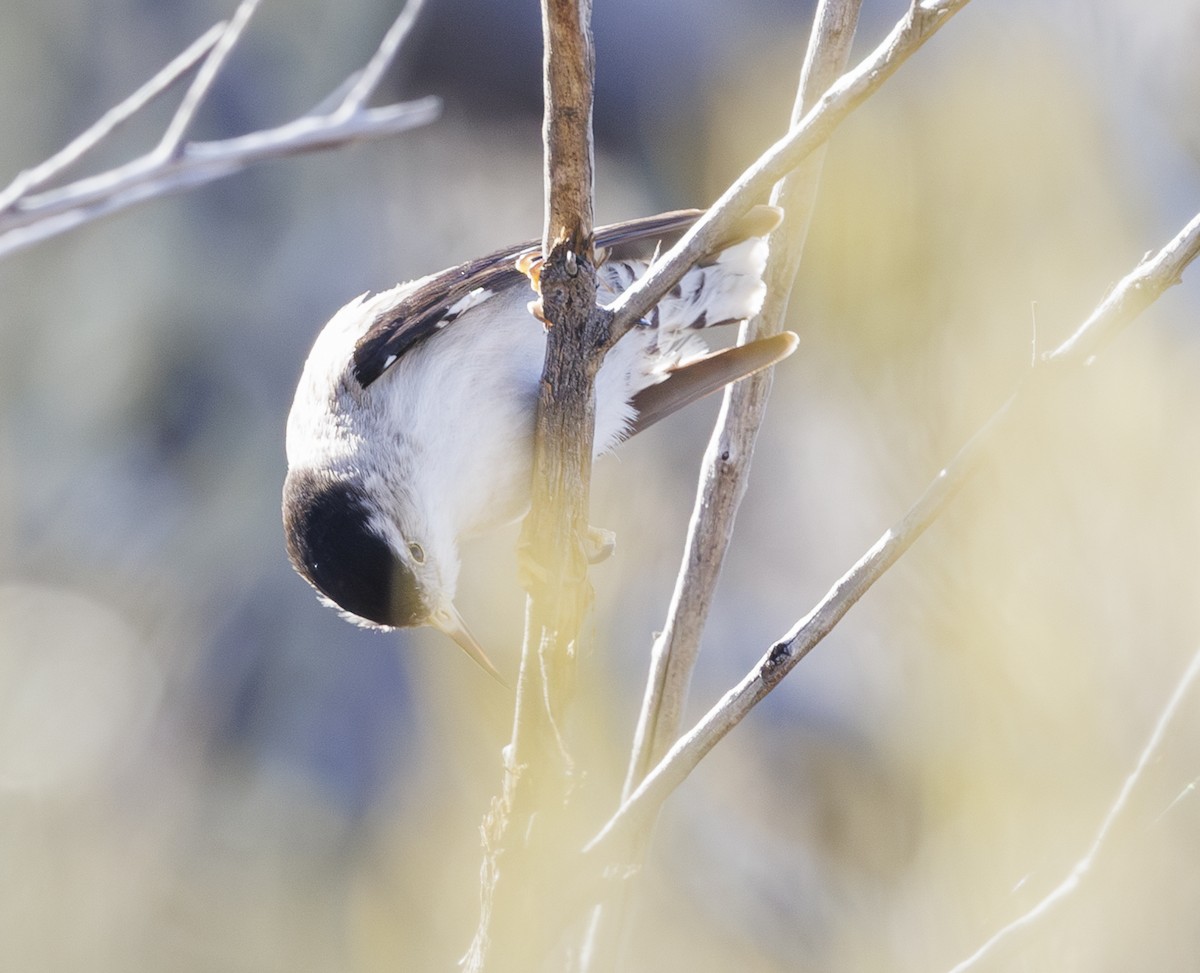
{"type": "Point", "coordinates": [726, 467]}
{"type": "Point", "coordinates": [1069, 884]}
{"type": "Point", "coordinates": [1128, 297]}
{"type": "Point", "coordinates": [923, 19]}
{"type": "Point", "coordinates": [526, 833]}
{"type": "Point", "coordinates": [368, 79]}
{"type": "Point", "coordinates": [568, 125]}
{"type": "Point", "coordinates": [722, 479]}
{"type": "Point", "coordinates": [725, 471]}
{"type": "Point", "coordinates": [1132, 295]}
{"type": "Point", "coordinates": [205, 78]}
{"type": "Point", "coordinates": [28, 217]}
{"type": "Point", "coordinates": [57, 211]}
{"type": "Point", "coordinates": [31, 179]}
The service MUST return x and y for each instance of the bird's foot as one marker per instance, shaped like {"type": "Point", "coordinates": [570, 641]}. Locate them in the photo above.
{"type": "Point", "coordinates": [599, 544]}
{"type": "Point", "coordinates": [530, 572]}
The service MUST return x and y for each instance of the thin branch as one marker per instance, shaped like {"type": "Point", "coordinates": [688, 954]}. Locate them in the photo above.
{"type": "Point", "coordinates": [368, 79]}
{"type": "Point", "coordinates": [1140, 288]}
{"type": "Point", "coordinates": [30, 179]}
{"type": "Point", "coordinates": [1069, 884]}
{"type": "Point", "coordinates": [567, 129]}
{"type": "Point", "coordinates": [923, 19]}
{"type": "Point", "coordinates": [205, 78]}
{"type": "Point", "coordinates": [1128, 298]}
{"type": "Point", "coordinates": [57, 211]}
{"type": "Point", "coordinates": [28, 217]}
{"type": "Point", "coordinates": [526, 835]}
{"type": "Point", "coordinates": [726, 468]}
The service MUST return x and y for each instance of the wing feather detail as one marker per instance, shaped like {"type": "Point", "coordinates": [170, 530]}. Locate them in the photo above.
{"type": "Point", "coordinates": [702, 376]}
{"type": "Point", "coordinates": [437, 301]}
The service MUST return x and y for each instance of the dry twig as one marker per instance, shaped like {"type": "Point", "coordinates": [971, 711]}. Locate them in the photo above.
{"type": "Point", "coordinates": [727, 460]}
{"type": "Point", "coordinates": [1085, 864]}
{"type": "Point", "coordinates": [552, 550]}
{"type": "Point", "coordinates": [726, 467]}
{"type": "Point", "coordinates": [30, 213]}
{"type": "Point", "coordinates": [1128, 298]}
{"type": "Point", "coordinates": [526, 832]}
{"type": "Point", "coordinates": [923, 19]}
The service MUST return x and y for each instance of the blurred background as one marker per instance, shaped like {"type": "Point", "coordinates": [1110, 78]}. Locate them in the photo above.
{"type": "Point", "coordinates": [202, 769]}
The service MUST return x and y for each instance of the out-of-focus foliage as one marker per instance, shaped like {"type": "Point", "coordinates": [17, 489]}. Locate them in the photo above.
{"type": "Point", "coordinates": [202, 769]}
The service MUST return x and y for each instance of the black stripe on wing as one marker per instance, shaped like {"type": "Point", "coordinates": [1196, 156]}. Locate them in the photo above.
{"type": "Point", "coordinates": [428, 308]}
{"type": "Point", "coordinates": [442, 298]}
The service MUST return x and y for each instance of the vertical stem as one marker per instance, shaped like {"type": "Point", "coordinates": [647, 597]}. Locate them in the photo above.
{"type": "Point", "coordinates": [726, 468]}
{"type": "Point", "coordinates": [529, 830]}
{"type": "Point", "coordinates": [569, 70]}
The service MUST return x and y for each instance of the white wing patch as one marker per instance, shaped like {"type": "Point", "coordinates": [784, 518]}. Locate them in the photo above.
{"type": "Point", "coordinates": [464, 304]}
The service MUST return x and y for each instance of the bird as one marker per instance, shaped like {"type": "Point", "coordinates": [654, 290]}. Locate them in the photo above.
{"type": "Point", "coordinates": [412, 422]}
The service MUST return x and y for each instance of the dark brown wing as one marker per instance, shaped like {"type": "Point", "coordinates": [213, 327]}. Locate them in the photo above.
{"type": "Point", "coordinates": [701, 376]}
{"type": "Point", "coordinates": [438, 301]}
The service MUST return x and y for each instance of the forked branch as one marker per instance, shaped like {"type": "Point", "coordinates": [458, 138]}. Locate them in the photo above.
{"type": "Point", "coordinates": [725, 470]}
{"type": "Point", "coordinates": [1128, 298]}
{"type": "Point", "coordinates": [923, 19]}
{"type": "Point", "coordinates": [30, 212]}
{"type": "Point", "coordinates": [727, 460]}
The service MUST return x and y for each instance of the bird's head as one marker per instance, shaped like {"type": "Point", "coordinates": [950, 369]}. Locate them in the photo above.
{"type": "Point", "coordinates": [364, 564]}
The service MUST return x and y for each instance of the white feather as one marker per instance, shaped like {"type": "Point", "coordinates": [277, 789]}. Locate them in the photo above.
{"type": "Point", "coordinates": [442, 441]}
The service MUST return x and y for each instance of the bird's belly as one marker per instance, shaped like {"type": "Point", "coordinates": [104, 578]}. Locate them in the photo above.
{"type": "Point", "coordinates": [495, 492]}
{"type": "Point", "coordinates": [472, 413]}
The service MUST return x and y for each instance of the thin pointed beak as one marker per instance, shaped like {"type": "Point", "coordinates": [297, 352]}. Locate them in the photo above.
{"type": "Point", "coordinates": [447, 620]}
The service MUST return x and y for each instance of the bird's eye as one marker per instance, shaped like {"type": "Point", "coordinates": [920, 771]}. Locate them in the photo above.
{"type": "Point", "coordinates": [417, 552]}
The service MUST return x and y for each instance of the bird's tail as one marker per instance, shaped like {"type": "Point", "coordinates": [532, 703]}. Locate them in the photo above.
{"type": "Point", "coordinates": [698, 377]}
{"type": "Point", "coordinates": [674, 366]}
{"type": "Point", "coordinates": [721, 289]}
